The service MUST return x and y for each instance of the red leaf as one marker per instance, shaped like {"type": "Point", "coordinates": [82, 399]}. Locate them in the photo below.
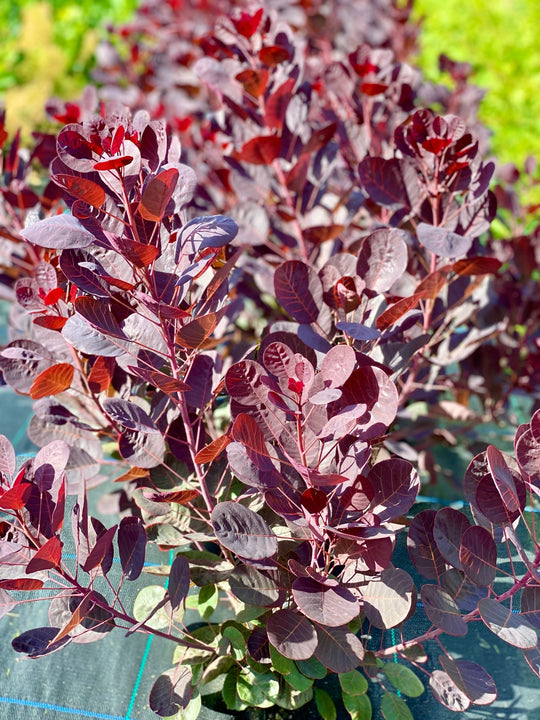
{"type": "Point", "coordinates": [48, 556]}
{"type": "Point", "coordinates": [166, 383]}
{"type": "Point", "coordinates": [113, 163]}
{"type": "Point", "coordinates": [118, 139]}
{"type": "Point", "coordinates": [373, 88]}
{"type": "Point", "coordinates": [137, 253]}
{"type": "Point", "coordinates": [314, 500]}
{"type": "Point", "coordinates": [115, 282]}
{"type": "Point", "coordinates": [254, 81]}
{"type": "Point", "coordinates": [100, 549]}
{"type": "Point", "coordinates": [476, 266]}
{"type": "Point", "coordinates": [53, 296]}
{"type": "Point", "coordinates": [433, 283]}
{"type": "Point", "coordinates": [194, 333]}
{"type": "Point", "coordinates": [393, 313]}
{"type": "Point", "coordinates": [277, 104]}
{"type": "Point", "coordinates": [274, 55]}
{"type": "Point", "coordinates": [52, 381]}
{"type": "Point", "coordinates": [157, 194]}
{"type": "Point", "coordinates": [179, 497]}
{"type": "Point", "coordinates": [82, 189]}
{"type": "Point", "coordinates": [101, 374]}
{"type": "Point", "coordinates": [51, 322]}
{"type": "Point", "coordinates": [211, 451]}
{"type": "Point", "coordinates": [15, 498]}
{"type": "Point", "coordinates": [436, 145]}
{"type": "Point", "coordinates": [247, 24]}
{"type": "Point", "coordinates": [261, 150]}
{"type": "Point", "coordinates": [320, 138]}
{"type": "Point", "coordinates": [21, 584]}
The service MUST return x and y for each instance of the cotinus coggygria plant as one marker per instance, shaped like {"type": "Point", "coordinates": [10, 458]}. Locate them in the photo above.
{"type": "Point", "coordinates": [245, 348]}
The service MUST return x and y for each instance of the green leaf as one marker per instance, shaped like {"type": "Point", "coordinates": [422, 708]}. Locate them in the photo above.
{"type": "Point", "coordinates": [237, 641]}
{"type": "Point", "coordinates": [394, 708]}
{"type": "Point", "coordinates": [256, 689]}
{"type": "Point", "coordinates": [312, 668]}
{"type": "Point", "coordinates": [297, 680]}
{"type": "Point", "coordinates": [229, 694]}
{"type": "Point", "coordinates": [145, 602]}
{"type": "Point", "coordinates": [191, 712]}
{"type": "Point", "coordinates": [249, 613]}
{"type": "Point", "coordinates": [358, 706]}
{"type": "Point", "coordinates": [291, 699]}
{"type": "Point", "coordinates": [208, 600]}
{"type": "Point", "coordinates": [325, 705]}
{"type": "Point", "coordinates": [353, 683]}
{"type": "Point", "coordinates": [280, 663]}
{"type": "Point", "coordinates": [403, 679]}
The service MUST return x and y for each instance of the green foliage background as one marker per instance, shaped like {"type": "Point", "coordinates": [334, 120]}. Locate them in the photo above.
{"type": "Point", "coordinates": [501, 39]}
{"type": "Point", "coordinates": [46, 49]}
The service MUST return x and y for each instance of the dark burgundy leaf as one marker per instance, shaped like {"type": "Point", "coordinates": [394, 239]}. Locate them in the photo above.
{"type": "Point", "coordinates": [448, 529]}
{"type": "Point", "coordinates": [327, 605]}
{"type": "Point", "coordinates": [314, 500]}
{"type": "Point", "coordinates": [81, 188]}
{"type": "Point", "coordinates": [471, 679]}
{"type": "Point", "coordinates": [338, 649]}
{"type": "Point", "coordinates": [131, 546]}
{"type": "Point", "coordinates": [383, 259]}
{"type": "Point", "coordinates": [38, 642]}
{"type": "Point", "coordinates": [80, 267]}
{"type": "Point", "coordinates": [179, 581]}
{"type": "Point", "coordinates": [129, 415]}
{"type": "Point", "coordinates": [490, 503]}
{"type": "Point", "coordinates": [502, 477]}
{"type": "Point", "coordinates": [465, 593]}
{"type": "Point", "coordinates": [433, 284]}
{"type": "Point", "coordinates": [442, 611]}
{"type": "Point", "coordinates": [442, 242]}
{"type": "Point", "coordinates": [528, 455]}
{"type": "Point", "coordinates": [100, 551]}
{"type": "Point", "coordinates": [396, 311]}
{"type": "Point", "coordinates": [98, 313]}
{"type": "Point", "coordinates": [508, 626]}
{"type": "Point", "coordinates": [276, 105]}
{"type": "Point", "coordinates": [171, 691]}
{"type": "Point", "coordinates": [477, 266]}
{"type": "Point", "coordinates": [299, 291]}
{"type": "Point", "coordinates": [383, 181]}
{"type": "Point", "coordinates": [243, 531]}
{"type": "Point", "coordinates": [291, 634]}
{"type": "Point", "coordinates": [478, 555]}
{"type": "Point", "coordinates": [142, 449]}
{"type": "Point", "coordinates": [422, 547]}
{"type": "Point", "coordinates": [395, 484]}
{"type": "Point", "coordinates": [389, 599]}
{"type": "Point", "coordinates": [168, 384]}
{"type": "Point", "coordinates": [253, 587]}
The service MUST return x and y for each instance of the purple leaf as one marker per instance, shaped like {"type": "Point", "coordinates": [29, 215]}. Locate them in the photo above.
{"type": "Point", "coordinates": [389, 599]}
{"type": "Point", "coordinates": [243, 531]}
{"type": "Point", "coordinates": [129, 415]}
{"type": "Point", "coordinates": [478, 555]}
{"type": "Point", "coordinates": [448, 530]}
{"type": "Point", "coordinates": [465, 593]}
{"type": "Point", "coordinates": [327, 605]}
{"type": "Point", "coordinates": [530, 605]}
{"type": "Point", "coordinates": [171, 691]}
{"type": "Point", "coordinates": [508, 626]}
{"type": "Point", "coordinates": [291, 634]}
{"type": "Point", "coordinates": [299, 291]}
{"type": "Point", "coordinates": [383, 181]}
{"type": "Point", "coordinates": [471, 679]}
{"type": "Point", "coordinates": [179, 581]}
{"type": "Point", "coordinates": [442, 242]}
{"type": "Point", "coordinates": [447, 693]}
{"type": "Point", "coordinates": [422, 547]}
{"type": "Point", "coordinates": [143, 450]}
{"type": "Point", "coordinates": [338, 649]}
{"type": "Point", "coordinates": [383, 259]}
{"type": "Point", "coordinates": [98, 313]}
{"type": "Point", "coordinates": [357, 331]}
{"type": "Point", "coordinates": [59, 232]}
{"type": "Point", "coordinates": [528, 455]}
{"type": "Point", "coordinates": [253, 587]}
{"type": "Point", "coordinates": [37, 643]}
{"type": "Point", "coordinates": [100, 551]}
{"type": "Point", "coordinates": [209, 231]}
{"type": "Point", "coordinates": [338, 364]}
{"type": "Point", "coordinates": [442, 611]}
{"type": "Point", "coordinates": [85, 272]}
{"type": "Point", "coordinates": [502, 477]}
{"type": "Point", "coordinates": [395, 483]}
{"type": "Point", "coordinates": [83, 337]}
{"type": "Point", "coordinates": [131, 546]}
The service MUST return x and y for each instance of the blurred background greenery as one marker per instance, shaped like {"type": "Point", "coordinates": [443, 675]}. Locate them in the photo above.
{"type": "Point", "coordinates": [47, 48]}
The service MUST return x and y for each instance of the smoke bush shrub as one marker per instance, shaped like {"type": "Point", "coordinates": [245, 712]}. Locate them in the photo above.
{"type": "Point", "coordinates": [252, 318]}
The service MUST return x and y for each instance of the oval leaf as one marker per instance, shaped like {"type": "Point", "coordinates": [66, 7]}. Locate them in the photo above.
{"type": "Point", "coordinates": [292, 634]}
{"type": "Point", "coordinates": [243, 531]}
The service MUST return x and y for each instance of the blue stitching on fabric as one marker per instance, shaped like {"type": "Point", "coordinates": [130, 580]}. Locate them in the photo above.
{"type": "Point", "coordinates": [59, 708]}
{"type": "Point", "coordinates": [393, 634]}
